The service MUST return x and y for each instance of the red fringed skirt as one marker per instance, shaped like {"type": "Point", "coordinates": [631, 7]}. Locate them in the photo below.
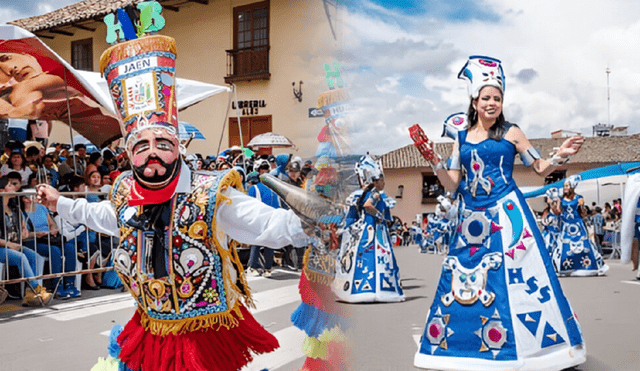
{"type": "Point", "coordinates": [221, 349]}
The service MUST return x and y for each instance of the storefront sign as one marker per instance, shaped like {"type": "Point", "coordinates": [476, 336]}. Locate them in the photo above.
{"type": "Point", "coordinates": [249, 107]}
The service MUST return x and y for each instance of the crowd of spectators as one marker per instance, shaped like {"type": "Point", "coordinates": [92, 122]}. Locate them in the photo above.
{"type": "Point", "coordinates": [34, 241]}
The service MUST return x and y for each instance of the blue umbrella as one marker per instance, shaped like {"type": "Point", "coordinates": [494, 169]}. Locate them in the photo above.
{"type": "Point", "coordinates": [87, 143]}
{"type": "Point", "coordinates": [601, 172]}
{"type": "Point", "coordinates": [18, 129]}
{"type": "Point", "coordinates": [187, 129]}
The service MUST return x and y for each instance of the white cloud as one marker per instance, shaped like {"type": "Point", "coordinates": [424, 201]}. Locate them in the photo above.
{"type": "Point", "coordinates": [388, 85]}
{"type": "Point", "coordinates": [414, 61]}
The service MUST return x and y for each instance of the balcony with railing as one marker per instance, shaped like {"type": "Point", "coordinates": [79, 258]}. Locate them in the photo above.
{"type": "Point", "coordinates": [248, 64]}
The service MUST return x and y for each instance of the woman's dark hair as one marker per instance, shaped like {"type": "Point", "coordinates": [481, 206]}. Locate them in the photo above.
{"type": "Point", "coordinates": [29, 193]}
{"type": "Point", "coordinates": [33, 150]}
{"type": "Point", "coordinates": [75, 181]}
{"type": "Point", "coordinates": [496, 131]}
{"type": "Point", "coordinates": [31, 177]}
{"type": "Point", "coordinates": [108, 156]}
{"type": "Point", "coordinates": [14, 175]}
{"type": "Point", "coordinates": [365, 191]}
{"type": "Point", "coordinates": [93, 157]}
{"type": "Point", "coordinates": [24, 160]}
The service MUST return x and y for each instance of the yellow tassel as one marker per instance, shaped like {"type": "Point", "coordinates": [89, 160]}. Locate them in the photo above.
{"type": "Point", "coordinates": [106, 364]}
{"type": "Point", "coordinates": [318, 277]}
{"type": "Point", "coordinates": [231, 179]}
{"type": "Point", "coordinates": [241, 275]}
{"type": "Point", "coordinates": [319, 347]}
{"type": "Point", "coordinates": [335, 334]}
{"type": "Point", "coordinates": [182, 326]}
{"type": "Point", "coordinates": [314, 348]}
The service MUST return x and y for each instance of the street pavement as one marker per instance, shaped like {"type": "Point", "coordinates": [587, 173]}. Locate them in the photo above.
{"type": "Point", "coordinates": [72, 334]}
{"type": "Point", "coordinates": [387, 335]}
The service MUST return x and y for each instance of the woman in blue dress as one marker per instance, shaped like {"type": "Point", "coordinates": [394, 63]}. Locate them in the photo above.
{"type": "Point", "coordinates": [551, 220]}
{"type": "Point", "coordinates": [366, 268]}
{"type": "Point", "coordinates": [575, 254]}
{"type": "Point", "coordinates": [498, 303]}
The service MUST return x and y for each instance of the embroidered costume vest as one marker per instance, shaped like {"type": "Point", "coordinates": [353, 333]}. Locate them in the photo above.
{"type": "Point", "coordinates": [205, 280]}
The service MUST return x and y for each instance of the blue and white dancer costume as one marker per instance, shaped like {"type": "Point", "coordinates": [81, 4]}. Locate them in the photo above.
{"type": "Point", "coordinates": [366, 268]}
{"type": "Point", "coordinates": [551, 230]}
{"type": "Point", "coordinates": [498, 304]}
{"type": "Point", "coordinates": [433, 234]}
{"type": "Point", "coordinates": [551, 222]}
{"type": "Point", "coordinates": [630, 226]}
{"type": "Point", "coordinates": [441, 227]}
{"type": "Point", "coordinates": [575, 254]}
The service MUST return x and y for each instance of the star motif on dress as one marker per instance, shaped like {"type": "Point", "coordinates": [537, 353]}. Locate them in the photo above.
{"type": "Point", "coordinates": [492, 334]}
{"type": "Point", "coordinates": [567, 264]}
{"type": "Point", "coordinates": [437, 331]}
{"type": "Point", "coordinates": [586, 262]}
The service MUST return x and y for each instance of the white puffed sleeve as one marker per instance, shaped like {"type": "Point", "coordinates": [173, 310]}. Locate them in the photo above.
{"type": "Point", "coordinates": [252, 222]}
{"type": "Point", "coordinates": [98, 216]}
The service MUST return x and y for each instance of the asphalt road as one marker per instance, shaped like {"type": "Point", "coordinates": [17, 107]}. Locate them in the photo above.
{"type": "Point", "coordinates": [72, 334]}
{"type": "Point", "coordinates": [387, 335]}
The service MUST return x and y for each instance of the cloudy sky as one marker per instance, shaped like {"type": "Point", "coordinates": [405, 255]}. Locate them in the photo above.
{"type": "Point", "coordinates": [402, 59]}
{"type": "Point", "coordinates": [11, 10]}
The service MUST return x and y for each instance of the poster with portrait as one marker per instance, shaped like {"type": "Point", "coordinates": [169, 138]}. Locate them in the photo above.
{"type": "Point", "coordinates": [37, 84]}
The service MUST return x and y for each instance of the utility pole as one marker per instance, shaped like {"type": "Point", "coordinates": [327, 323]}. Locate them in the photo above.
{"type": "Point", "coordinates": [608, 100]}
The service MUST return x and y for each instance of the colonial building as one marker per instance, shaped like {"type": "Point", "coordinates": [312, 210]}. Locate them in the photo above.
{"type": "Point", "coordinates": [410, 180]}
{"type": "Point", "coordinates": [268, 49]}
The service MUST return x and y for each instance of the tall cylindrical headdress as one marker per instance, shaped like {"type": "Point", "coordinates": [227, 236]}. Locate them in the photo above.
{"type": "Point", "coordinates": [480, 72]}
{"type": "Point", "coordinates": [141, 78]}
{"type": "Point", "coordinates": [336, 107]}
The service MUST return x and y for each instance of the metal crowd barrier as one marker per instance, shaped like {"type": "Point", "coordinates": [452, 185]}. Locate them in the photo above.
{"type": "Point", "coordinates": [19, 239]}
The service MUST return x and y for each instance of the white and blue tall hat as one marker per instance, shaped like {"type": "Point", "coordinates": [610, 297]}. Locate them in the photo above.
{"type": "Point", "coordinates": [368, 170]}
{"type": "Point", "coordinates": [480, 72]}
{"type": "Point", "coordinates": [573, 180]}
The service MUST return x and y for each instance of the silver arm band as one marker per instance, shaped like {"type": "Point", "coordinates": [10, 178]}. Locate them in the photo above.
{"type": "Point", "coordinates": [557, 160]}
{"type": "Point", "coordinates": [454, 162]}
{"type": "Point", "coordinates": [529, 156]}
{"type": "Point", "coordinates": [441, 165]}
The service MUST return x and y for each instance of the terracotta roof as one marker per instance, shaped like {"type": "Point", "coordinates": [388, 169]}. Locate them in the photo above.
{"type": "Point", "coordinates": [594, 150]}
{"type": "Point", "coordinates": [80, 11]}
{"type": "Point", "coordinates": [410, 157]}
{"type": "Point", "coordinates": [86, 10]}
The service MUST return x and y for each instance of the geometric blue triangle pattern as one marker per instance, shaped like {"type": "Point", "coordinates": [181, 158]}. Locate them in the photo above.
{"type": "Point", "coordinates": [531, 321]}
{"type": "Point", "coordinates": [550, 337]}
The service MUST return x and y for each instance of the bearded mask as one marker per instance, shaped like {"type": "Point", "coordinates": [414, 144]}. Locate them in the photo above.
{"type": "Point", "coordinates": [155, 157]}
{"type": "Point", "coordinates": [141, 78]}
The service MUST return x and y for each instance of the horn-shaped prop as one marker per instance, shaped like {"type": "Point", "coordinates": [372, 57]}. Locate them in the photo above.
{"type": "Point", "coordinates": [312, 208]}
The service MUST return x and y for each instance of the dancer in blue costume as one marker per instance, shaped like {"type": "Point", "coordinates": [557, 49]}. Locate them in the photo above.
{"type": "Point", "coordinates": [366, 267]}
{"type": "Point", "coordinates": [575, 254]}
{"type": "Point", "coordinates": [630, 227]}
{"type": "Point", "coordinates": [498, 304]}
{"type": "Point", "coordinates": [551, 220]}
{"type": "Point", "coordinates": [441, 226]}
